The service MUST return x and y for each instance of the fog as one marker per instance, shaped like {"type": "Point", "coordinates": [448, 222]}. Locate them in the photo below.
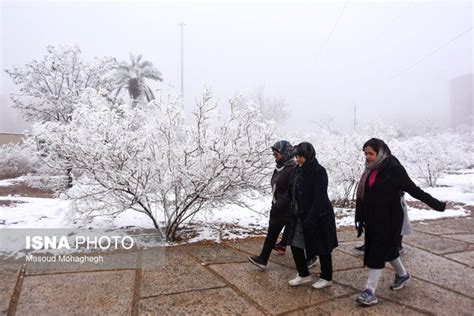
{"type": "Point", "coordinates": [393, 59]}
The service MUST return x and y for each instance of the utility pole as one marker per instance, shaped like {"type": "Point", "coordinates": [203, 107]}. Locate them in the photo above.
{"type": "Point", "coordinates": [355, 116]}
{"type": "Point", "coordinates": [181, 25]}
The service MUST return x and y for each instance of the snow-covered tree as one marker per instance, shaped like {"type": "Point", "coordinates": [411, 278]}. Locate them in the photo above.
{"type": "Point", "coordinates": [429, 156]}
{"type": "Point", "coordinates": [146, 158]}
{"type": "Point", "coordinates": [132, 77]}
{"type": "Point", "coordinates": [51, 87]}
{"type": "Point", "coordinates": [272, 107]}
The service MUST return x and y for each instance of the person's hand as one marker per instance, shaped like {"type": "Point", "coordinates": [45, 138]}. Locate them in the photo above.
{"type": "Point", "coordinates": [442, 207]}
{"type": "Point", "coordinates": [360, 228]}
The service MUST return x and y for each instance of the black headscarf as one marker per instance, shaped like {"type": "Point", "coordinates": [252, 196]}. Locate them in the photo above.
{"type": "Point", "coordinates": [306, 150]}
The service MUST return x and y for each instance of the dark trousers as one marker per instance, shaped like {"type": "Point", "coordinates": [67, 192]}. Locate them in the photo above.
{"type": "Point", "coordinates": [326, 267]}
{"type": "Point", "coordinates": [270, 241]}
{"type": "Point", "coordinates": [302, 267]}
{"type": "Point", "coordinates": [300, 261]}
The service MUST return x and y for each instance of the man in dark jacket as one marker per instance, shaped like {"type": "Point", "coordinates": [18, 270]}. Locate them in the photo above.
{"type": "Point", "coordinates": [280, 213]}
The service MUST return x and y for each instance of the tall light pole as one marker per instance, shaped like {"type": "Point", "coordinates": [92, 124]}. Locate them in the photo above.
{"type": "Point", "coordinates": [355, 116]}
{"type": "Point", "coordinates": [181, 25]}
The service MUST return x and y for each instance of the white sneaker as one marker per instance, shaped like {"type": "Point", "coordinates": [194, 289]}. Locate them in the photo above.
{"type": "Point", "coordinates": [321, 283]}
{"type": "Point", "coordinates": [300, 280]}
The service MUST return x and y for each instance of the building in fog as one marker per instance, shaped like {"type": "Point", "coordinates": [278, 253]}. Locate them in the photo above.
{"type": "Point", "coordinates": [460, 90]}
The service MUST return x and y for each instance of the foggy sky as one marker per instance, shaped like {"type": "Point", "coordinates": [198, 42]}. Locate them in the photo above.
{"type": "Point", "coordinates": [393, 59]}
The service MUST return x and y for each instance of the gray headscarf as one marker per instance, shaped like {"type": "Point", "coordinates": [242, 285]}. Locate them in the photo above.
{"type": "Point", "coordinates": [383, 152]}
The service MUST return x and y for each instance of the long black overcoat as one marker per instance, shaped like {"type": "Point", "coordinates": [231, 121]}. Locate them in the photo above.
{"type": "Point", "coordinates": [312, 206]}
{"type": "Point", "coordinates": [382, 214]}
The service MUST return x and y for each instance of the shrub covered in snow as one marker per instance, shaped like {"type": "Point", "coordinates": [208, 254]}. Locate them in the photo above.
{"type": "Point", "coordinates": [18, 159]}
{"type": "Point", "coordinates": [149, 160]}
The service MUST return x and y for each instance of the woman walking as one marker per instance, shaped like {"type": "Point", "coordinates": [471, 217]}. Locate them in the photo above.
{"type": "Point", "coordinates": [315, 227]}
{"type": "Point", "coordinates": [280, 213]}
{"type": "Point", "coordinates": [379, 212]}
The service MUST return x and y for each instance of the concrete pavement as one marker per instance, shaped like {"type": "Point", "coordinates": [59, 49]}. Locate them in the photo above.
{"type": "Point", "coordinates": [217, 279]}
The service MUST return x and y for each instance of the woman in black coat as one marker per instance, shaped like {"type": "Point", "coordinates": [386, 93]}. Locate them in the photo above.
{"type": "Point", "coordinates": [281, 214]}
{"type": "Point", "coordinates": [315, 227]}
{"type": "Point", "coordinates": [379, 212]}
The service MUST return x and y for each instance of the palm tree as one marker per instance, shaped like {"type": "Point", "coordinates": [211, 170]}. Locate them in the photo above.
{"type": "Point", "coordinates": [132, 77]}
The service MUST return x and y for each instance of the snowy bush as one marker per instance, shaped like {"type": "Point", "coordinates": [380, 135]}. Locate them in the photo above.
{"type": "Point", "coordinates": [18, 159]}
{"type": "Point", "coordinates": [148, 160]}
{"type": "Point", "coordinates": [429, 156]}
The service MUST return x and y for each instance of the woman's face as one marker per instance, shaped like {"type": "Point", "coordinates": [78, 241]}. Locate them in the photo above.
{"type": "Point", "coordinates": [370, 155]}
{"type": "Point", "coordinates": [300, 160]}
{"type": "Point", "coordinates": [276, 155]}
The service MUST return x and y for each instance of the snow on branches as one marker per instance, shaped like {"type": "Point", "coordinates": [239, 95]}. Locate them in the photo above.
{"type": "Point", "coordinates": [149, 160]}
{"type": "Point", "coordinates": [50, 88]}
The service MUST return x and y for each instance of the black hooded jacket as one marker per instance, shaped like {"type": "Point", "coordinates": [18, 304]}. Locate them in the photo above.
{"type": "Point", "coordinates": [281, 212]}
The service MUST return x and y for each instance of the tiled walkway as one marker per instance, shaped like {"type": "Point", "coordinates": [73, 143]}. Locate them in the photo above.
{"type": "Point", "coordinates": [218, 280]}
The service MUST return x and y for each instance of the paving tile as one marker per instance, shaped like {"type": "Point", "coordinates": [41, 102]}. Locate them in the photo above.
{"type": "Point", "coordinates": [180, 273]}
{"type": "Point", "coordinates": [252, 246]}
{"type": "Point", "coordinates": [217, 254]}
{"type": "Point", "coordinates": [466, 258]}
{"type": "Point", "coordinates": [8, 279]}
{"type": "Point", "coordinates": [462, 223]}
{"type": "Point", "coordinates": [348, 306]}
{"type": "Point", "coordinates": [348, 248]}
{"type": "Point", "coordinates": [223, 301]}
{"type": "Point", "coordinates": [340, 261]}
{"type": "Point", "coordinates": [270, 288]}
{"type": "Point", "coordinates": [431, 267]}
{"type": "Point", "coordinates": [343, 261]}
{"type": "Point", "coordinates": [435, 228]}
{"type": "Point", "coordinates": [436, 244]}
{"type": "Point", "coordinates": [348, 234]}
{"type": "Point", "coordinates": [463, 237]}
{"type": "Point", "coordinates": [416, 294]}
{"type": "Point", "coordinates": [107, 293]}
{"type": "Point", "coordinates": [439, 270]}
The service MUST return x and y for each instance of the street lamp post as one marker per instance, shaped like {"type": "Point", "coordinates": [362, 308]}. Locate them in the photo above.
{"type": "Point", "coordinates": [181, 25]}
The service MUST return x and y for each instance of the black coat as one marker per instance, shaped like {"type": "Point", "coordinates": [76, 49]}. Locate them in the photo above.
{"type": "Point", "coordinates": [281, 212]}
{"type": "Point", "coordinates": [313, 208]}
{"type": "Point", "coordinates": [382, 213]}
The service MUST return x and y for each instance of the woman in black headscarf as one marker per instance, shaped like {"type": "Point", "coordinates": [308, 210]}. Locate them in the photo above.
{"type": "Point", "coordinates": [379, 212]}
{"type": "Point", "coordinates": [315, 228]}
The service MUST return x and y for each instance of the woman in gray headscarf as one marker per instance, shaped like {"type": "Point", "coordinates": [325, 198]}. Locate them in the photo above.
{"type": "Point", "coordinates": [281, 214]}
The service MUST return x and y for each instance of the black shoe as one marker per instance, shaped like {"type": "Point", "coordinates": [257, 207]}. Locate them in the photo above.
{"type": "Point", "coordinates": [399, 282]}
{"type": "Point", "coordinates": [258, 261]}
{"type": "Point", "coordinates": [311, 262]}
{"type": "Point", "coordinates": [360, 249]}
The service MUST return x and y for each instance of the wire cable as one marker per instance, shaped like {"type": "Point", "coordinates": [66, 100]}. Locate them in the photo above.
{"type": "Point", "coordinates": [431, 53]}
{"type": "Point", "coordinates": [331, 32]}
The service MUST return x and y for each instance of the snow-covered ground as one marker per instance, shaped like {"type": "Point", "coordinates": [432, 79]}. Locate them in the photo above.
{"type": "Point", "coordinates": [230, 222]}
